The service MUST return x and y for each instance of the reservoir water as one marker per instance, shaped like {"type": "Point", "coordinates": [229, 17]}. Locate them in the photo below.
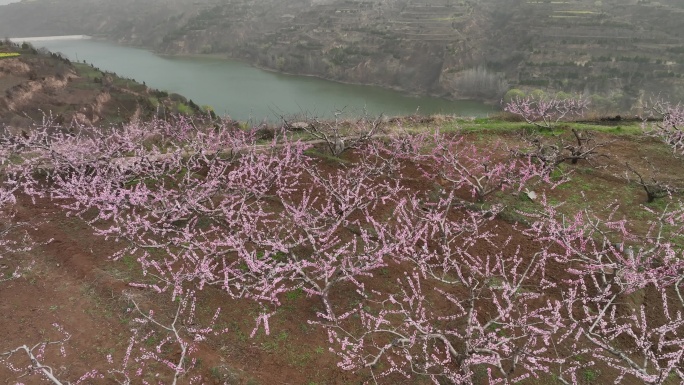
{"type": "Point", "coordinates": [247, 93]}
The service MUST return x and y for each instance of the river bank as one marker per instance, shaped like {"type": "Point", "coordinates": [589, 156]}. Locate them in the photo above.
{"type": "Point", "coordinates": [406, 92]}
{"type": "Point", "coordinates": [248, 93]}
{"type": "Point", "coordinates": [20, 40]}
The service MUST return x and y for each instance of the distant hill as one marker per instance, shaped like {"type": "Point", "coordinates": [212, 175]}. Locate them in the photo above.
{"type": "Point", "coordinates": [37, 83]}
{"type": "Point", "coordinates": [620, 51]}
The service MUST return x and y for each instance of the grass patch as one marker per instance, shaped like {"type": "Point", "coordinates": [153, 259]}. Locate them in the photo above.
{"type": "Point", "coordinates": [184, 109]}
{"type": "Point", "coordinates": [497, 125]}
{"type": "Point", "coordinates": [87, 71]}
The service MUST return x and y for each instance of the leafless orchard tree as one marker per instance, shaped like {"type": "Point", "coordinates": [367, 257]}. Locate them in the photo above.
{"type": "Point", "coordinates": [547, 113]}
{"type": "Point", "coordinates": [552, 151]}
{"type": "Point", "coordinates": [653, 187]}
{"type": "Point", "coordinates": [340, 135]}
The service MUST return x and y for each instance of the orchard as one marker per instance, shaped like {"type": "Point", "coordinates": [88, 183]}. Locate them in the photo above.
{"type": "Point", "coordinates": [418, 256]}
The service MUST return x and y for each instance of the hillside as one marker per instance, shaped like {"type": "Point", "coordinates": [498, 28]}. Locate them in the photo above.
{"type": "Point", "coordinates": [34, 83]}
{"type": "Point", "coordinates": [621, 51]}
{"type": "Point", "coordinates": [154, 252]}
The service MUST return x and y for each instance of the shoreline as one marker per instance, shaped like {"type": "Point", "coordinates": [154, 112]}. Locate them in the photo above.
{"type": "Point", "coordinates": [470, 107]}
{"type": "Point", "coordinates": [400, 90]}
{"type": "Point", "coordinates": [31, 39]}
{"type": "Point", "coordinates": [227, 57]}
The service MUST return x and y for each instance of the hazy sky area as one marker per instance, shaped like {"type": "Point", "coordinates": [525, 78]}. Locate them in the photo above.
{"type": "Point", "coordinates": [3, 2]}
